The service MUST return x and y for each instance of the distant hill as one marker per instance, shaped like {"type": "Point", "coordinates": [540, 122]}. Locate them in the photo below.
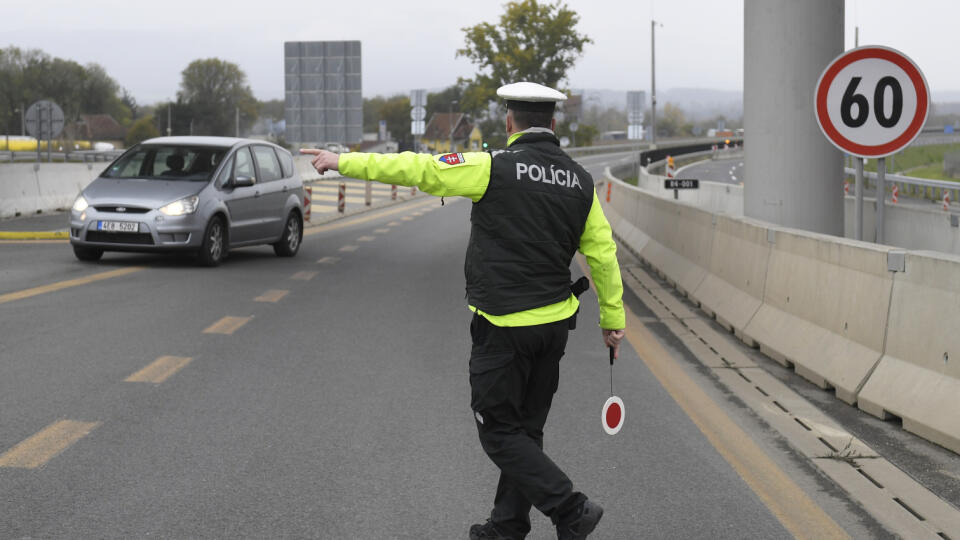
{"type": "Point", "coordinates": [697, 103]}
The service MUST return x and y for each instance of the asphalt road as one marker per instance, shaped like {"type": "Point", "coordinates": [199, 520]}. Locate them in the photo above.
{"type": "Point", "coordinates": [726, 170]}
{"type": "Point", "coordinates": [338, 410]}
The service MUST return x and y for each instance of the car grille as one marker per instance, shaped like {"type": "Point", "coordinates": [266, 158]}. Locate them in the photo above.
{"type": "Point", "coordinates": [120, 238]}
{"type": "Point", "coordinates": [127, 209]}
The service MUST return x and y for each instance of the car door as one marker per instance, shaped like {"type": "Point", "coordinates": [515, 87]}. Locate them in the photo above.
{"type": "Point", "coordinates": [273, 193]}
{"type": "Point", "coordinates": [243, 201]}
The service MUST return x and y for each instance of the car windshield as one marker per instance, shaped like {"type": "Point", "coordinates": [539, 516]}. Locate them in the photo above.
{"type": "Point", "coordinates": [168, 162]}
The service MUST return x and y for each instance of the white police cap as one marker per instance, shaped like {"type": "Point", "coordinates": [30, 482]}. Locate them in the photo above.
{"type": "Point", "coordinates": [530, 96]}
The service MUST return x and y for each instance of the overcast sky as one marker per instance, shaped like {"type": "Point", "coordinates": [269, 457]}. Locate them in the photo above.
{"type": "Point", "coordinates": [412, 43]}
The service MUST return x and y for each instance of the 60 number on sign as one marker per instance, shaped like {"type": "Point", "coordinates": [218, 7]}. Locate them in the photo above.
{"type": "Point", "coordinates": [871, 101]}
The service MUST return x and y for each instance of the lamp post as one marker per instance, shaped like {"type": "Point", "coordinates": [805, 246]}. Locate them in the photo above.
{"type": "Point", "coordinates": [653, 82]}
{"type": "Point", "coordinates": [452, 125]}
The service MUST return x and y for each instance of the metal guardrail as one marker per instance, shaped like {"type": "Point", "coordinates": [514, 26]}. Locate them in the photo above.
{"type": "Point", "coordinates": [912, 180]}
{"type": "Point", "coordinates": [605, 149]}
{"type": "Point", "coordinates": [912, 187]}
{"type": "Point", "coordinates": [77, 156]}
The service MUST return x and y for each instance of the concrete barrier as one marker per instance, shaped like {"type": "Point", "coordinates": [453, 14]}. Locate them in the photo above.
{"type": "Point", "coordinates": [58, 187]}
{"type": "Point", "coordinates": [649, 226]}
{"type": "Point", "coordinates": [732, 290]}
{"type": "Point", "coordinates": [28, 188]}
{"type": "Point", "coordinates": [844, 314]}
{"type": "Point", "coordinates": [19, 194]}
{"type": "Point", "coordinates": [918, 378]}
{"type": "Point", "coordinates": [824, 310]}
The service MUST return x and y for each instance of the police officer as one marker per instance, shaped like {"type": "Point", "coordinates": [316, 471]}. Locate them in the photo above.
{"type": "Point", "coordinates": [533, 208]}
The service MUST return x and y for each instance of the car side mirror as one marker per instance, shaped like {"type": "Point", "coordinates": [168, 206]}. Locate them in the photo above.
{"type": "Point", "coordinates": [244, 181]}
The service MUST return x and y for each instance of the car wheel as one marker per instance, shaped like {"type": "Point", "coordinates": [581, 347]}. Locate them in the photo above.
{"type": "Point", "coordinates": [214, 247]}
{"type": "Point", "coordinates": [289, 243]}
{"type": "Point", "coordinates": [87, 254]}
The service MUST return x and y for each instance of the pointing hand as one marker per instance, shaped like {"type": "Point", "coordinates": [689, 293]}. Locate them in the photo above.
{"type": "Point", "coordinates": [324, 160]}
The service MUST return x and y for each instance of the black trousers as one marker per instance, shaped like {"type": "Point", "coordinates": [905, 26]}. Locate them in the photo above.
{"type": "Point", "coordinates": [514, 373]}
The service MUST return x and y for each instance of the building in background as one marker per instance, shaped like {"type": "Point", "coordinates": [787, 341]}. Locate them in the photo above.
{"type": "Point", "coordinates": [97, 127]}
{"type": "Point", "coordinates": [466, 136]}
{"type": "Point", "coordinates": [323, 102]}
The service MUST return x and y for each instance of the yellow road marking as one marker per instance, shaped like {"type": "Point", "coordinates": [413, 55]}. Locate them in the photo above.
{"type": "Point", "coordinates": [328, 260]}
{"type": "Point", "coordinates": [43, 446]}
{"type": "Point", "coordinates": [33, 242]}
{"type": "Point", "coordinates": [348, 248]}
{"type": "Point", "coordinates": [33, 235]}
{"type": "Point", "coordinates": [27, 293]}
{"type": "Point", "coordinates": [393, 224]}
{"type": "Point", "coordinates": [382, 230]}
{"type": "Point", "coordinates": [406, 218]}
{"type": "Point", "coordinates": [304, 275]}
{"type": "Point", "coordinates": [160, 369]}
{"type": "Point", "coordinates": [782, 496]}
{"type": "Point", "coordinates": [227, 325]}
{"type": "Point", "coordinates": [366, 239]}
{"type": "Point", "coordinates": [791, 506]}
{"type": "Point", "coordinates": [273, 295]}
{"type": "Point", "coordinates": [371, 216]}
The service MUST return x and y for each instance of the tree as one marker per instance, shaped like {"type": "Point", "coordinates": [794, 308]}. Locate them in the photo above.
{"type": "Point", "coordinates": [141, 130]}
{"type": "Point", "coordinates": [608, 119]}
{"type": "Point", "coordinates": [395, 111]}
{"type": "Point", "coordinates": [212, 90]}
{"type": "Point", "coordinates": [582, 137]}
{"type": "Point", "coordinates": [536, 42]}
{"type": "Point", "coordinates": [273, 108]}
{"type": "Point", "coordinates": [671, 122]}
{"type": "Point", "coordinates": [442, 101]}
{"type": "Point", "coordinates": [27, 76]}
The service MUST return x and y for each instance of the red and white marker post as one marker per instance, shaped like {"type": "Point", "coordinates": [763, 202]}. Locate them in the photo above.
{"type": "Point", "coordinates": [613, 412]}
{"type": "Point", "coordinates": [342, 198]}
{"type": "Point", "coordinates": [393, 192]}
{"type": "Point", "coordinates": [307, 202]}
{"type": "Point", "coordinates": [846, 187]}
{"type": "Point", "coordinates": [946, 200]}
{"type": "Point", "coordinates": [895, 198]}
{"type": "Point", "coordinates": [871, 102]}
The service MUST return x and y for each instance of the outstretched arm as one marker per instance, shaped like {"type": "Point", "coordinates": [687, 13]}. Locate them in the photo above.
{"type": "Point", "coordinates": [464, 174]}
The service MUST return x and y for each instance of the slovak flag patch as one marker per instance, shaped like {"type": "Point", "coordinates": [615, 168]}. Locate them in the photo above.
{"type": "Point", "coordinates": [453, 159]}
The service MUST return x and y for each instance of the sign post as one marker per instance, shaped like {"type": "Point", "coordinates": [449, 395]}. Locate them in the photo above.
{"type": "Point", "coordinates": [676, 184]}
{"type": "Point", "coordinates": [418, 115]}
{"type": "Point", "coordinates": [871, 102]}
{"type": "Point", "coordinates": [44, 120]}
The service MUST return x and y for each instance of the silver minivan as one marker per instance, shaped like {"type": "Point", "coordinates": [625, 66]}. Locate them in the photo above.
{"type": "Point", "coordinates": [202, 194]}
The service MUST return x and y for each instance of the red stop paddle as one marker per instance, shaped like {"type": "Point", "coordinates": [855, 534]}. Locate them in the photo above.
{"type": "Point", "coordinates": [612, 414]}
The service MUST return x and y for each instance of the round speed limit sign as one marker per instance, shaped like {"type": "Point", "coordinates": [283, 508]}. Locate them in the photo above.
{"type": "Point", "coordinates": [871, 101]}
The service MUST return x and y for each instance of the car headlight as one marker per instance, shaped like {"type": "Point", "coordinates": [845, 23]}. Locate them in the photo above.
{"type": "Point", "coordinates": [181, 207]}
{"type": "Point", "coordinates": [80, 204]}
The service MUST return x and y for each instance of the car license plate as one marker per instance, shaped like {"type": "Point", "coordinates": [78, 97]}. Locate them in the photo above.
{"type": "Point", "coordinates": [118, 226]}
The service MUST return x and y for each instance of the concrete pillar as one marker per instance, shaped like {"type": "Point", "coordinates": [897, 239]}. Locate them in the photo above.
{"type": "Point", "coordinates": [792, 175]}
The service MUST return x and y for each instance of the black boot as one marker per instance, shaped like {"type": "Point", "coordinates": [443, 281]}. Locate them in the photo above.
{"type": "Point", "coordinates": [579, 522]}
{"type": "Point", "coordinates": [487, 531]}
